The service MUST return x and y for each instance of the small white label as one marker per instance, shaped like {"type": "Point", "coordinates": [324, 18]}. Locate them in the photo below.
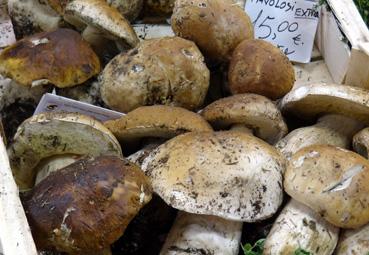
{"type": "Point", "coordinates": [7, 36]}
{"type": "Point", "coordinates": [54, 103]}
{"type": "Point", "coordinates": [289, 25]}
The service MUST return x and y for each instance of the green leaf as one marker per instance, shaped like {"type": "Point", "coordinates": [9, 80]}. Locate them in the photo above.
{"type": "Point", "coordinates": [300, 251]}
{"type": "Point", "coordinates": [256, 249]}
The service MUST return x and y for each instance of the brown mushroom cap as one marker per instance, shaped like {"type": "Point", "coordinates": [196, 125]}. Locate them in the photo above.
{"type": "Point", "coordinates": [230, 174]}
{"type": "Point", "coordinates": [311, 101]}
{"type": "Point", "coordinates": [361, 142]}
{"type": "Point", "coordinates": [216, 26]}
{"type": "Point", "coordinates": [60, 57]}
{"type": "Point", "coordinates": [158, 7]}
{"type": "Point", "coordinates": [156, 121]}
{"type": "Point", "coordinates": [255, 112]}
{"type": "Point", "coordinates": [168, 70]}
{"type": "Point", "coordinates": [87, 205]}
{"type": "Point", "coordinates": [130, 9]}
{"type": "Point", "coordinates": [331, 181]}
{"type": "Point", "coordinates": [58, 5]}
{"type": "Point", "coordinates": [259, 67]}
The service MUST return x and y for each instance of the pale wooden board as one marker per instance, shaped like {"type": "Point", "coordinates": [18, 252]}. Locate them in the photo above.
{"type": "Point", "coordinates": [15, 235]}
{"type": "Point", "coordinates": [358, 73]}
{"type": "Point", "coordinates": [314, 72]}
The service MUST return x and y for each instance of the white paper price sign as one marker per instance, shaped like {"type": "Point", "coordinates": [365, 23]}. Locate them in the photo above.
{"type": "Point", "coordinates": [289, 25]}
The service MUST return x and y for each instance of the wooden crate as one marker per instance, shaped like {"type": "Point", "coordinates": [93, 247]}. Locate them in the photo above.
{"type": "Point", "coordinates": [341, 55]}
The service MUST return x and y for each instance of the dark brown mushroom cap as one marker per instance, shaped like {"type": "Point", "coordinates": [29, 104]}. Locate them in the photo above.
{"type": "Point", "coordinates": [87, 205]}
{"type": "Point", "coordinates": [158, 7]}
{"type": "Point", "coordinates": [259, 67]}
{"type": "Point", "coordinates": [216, 26]}
{"type": "Point", "coordinates": [60, 57]}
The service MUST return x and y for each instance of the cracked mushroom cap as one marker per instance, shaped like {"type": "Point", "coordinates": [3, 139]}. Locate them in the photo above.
{"type": "Point", "coordinates": [361, 142]}
{"type": "Point", "coordinates": [259, 67]}
{"type": "Point", "coordinates": [354, 242]}
{"type": "Point", "coordinates": [130, 9]}
{"type": "Point", "coordinates": [98, 14]}
{"type": "Point", "coordinates": [255, 112]}
{"type": "Point", "coordinates": [311, 101]}
{"type": "Point", "coordinates": [49, 134]}
{"type": "Point", "coordinates": [225, 23]}
{"type": "Point", "coordinates": [60, 57]}
{"type": "Point", "coordinates": [230, 174]}
{"type": "Point", "coordinates": [331, 181]}
{"type": "Point", "coordinates": [86, 206]}
{"type": "Point", "coordinates": [168, 70]}
{"type": "Point", "coordinates": [156, 121]}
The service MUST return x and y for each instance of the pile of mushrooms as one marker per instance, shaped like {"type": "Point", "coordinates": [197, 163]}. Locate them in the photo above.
{"type": "Point", "coordinates": [205, 131]}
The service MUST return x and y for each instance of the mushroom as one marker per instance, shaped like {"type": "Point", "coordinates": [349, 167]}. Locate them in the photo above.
{"type": "Point", "coordinates": [354, 241]}
{"type": "Point", "coordinates": [33, 16]}
{"type": "Point", "coordinates": [86, 206]}
{"type": "Point", "coordinates": [99, 20]}
{"type": "Point", "coordinates": [343, 111]}
{"type": "Point", "coordinates": [216, 26]}
{"type": "Point", "coordinates": [331, 181]}
{"type": "Point", "coordinates": [230, 174]}
{"type": "Point", "coordinates": [192, 234]}
{"type": "Point", "coordinates": [360, 142]}
{"type": "Point", "coordinates": [167, 70]}
{"type": "Point", "coordinates": [248, 112]}
{"type": "Point", "coordinates": [161, 8]}
{"type": "Point", "coordinates": [130, 9]}
{"type": "Point", "coordinates": [298, 227]}
{"type": "Point", "coordinates": [50, 134]}
{"type": "Point", "coordinates": [259, 67]}
{"type": "Point", "coordinates": [59, 57]}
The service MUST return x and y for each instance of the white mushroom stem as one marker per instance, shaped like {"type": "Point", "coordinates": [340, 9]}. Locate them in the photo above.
{"type": "Point", "coordinates": [241, 128]}
{"type": "Point", "coordinates": [300, 227]}
{"type": "Point", "coordinates": [202, 234]}
{"type": "Point", "coordinates": [335, 130]}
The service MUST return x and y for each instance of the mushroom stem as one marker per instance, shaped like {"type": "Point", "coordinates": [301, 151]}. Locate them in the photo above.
{"type": "Point", "coordinates": [343, 125]}
{"type": "Point", "coordinates": [242, 128]}
{"type": "Point", "coordinates": [202, 234]}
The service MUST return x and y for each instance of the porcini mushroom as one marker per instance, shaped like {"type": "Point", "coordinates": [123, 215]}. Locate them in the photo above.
{"type": "Point", "coordinates": [248, 112]}
{"type": "Point", "coordinates": [130, 9]}
{"type": "Point", "coordinates": [333, 182]}
{"type": "Point", "coordinates": [354, 241]}
{"type": "Point", "coordinates": [167, 70]}
{"type": "Point", "coordinates": [343, 111]}
{"type": "Point", "coordinates": [259, 67]}
{"type": "Point", "coordinates": [60, 57]}
{"type": "Point", "coordinates": [230, 174]}
{"type": "Point", "coordinates": [360, 142]}
{"type": "Point", "coordinates": [50, 134]}
{"type": "Point", "coordinates": [86, 206]}
{"type": "Point", "coordinates": [157, 8]}
{"type": "Point", "coordinates": [299, 227]}
{"type": "Point", "coordinates": [216, 26]}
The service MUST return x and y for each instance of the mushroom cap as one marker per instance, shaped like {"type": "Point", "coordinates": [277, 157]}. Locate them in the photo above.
{"type": "Point", "coordinates": [259, 67]}
{"type": "Point", "coordinates": [254, 111]}
{"type": "Point", "coordinates": [130, 9]}
{"type": "Point", "coordinates": [158, 8]}
{"type": "Point", "coordinates": [58, 5]}
{"type": "Point", "coordinates": [156, 121]}
{"type": "Point", "coordinates": [87, 205]}
{"type": "Point", "coordinates": [354, 241]}
{"type": "Point", "coordinates": [203, 234]}
{"type": "Point", "coordinates": [60, 57]}
{"type": "Point", "coordinates": [48, 134]}
{"type": "Point", "coordinates": [311, 101]}
{"type": "Point", "coordinates": [168, 70]}
{"type": "Point", "coordinates": [229, 174]}
{"type": "Point", "coordinates": [361, 142]}
{"type": "Point", "coordinates": [216, 26]}
{"type": "Point", "coordinates": [99, 14]}
{"type": "Point", "coordinates": [331, 181]}
{"type": "Point", "coordinates": [297, 226]}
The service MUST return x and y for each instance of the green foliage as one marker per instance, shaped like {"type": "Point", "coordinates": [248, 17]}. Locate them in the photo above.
{"type": "Point", "coordinates": [300, 251]}
{"type": "Point", "coordinates": [256, 249]}
{"type": "Point", "coordinates": [363, 6]}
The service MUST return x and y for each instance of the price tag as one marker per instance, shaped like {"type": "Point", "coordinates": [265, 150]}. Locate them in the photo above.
{"type": "Point", "coordinates": [289, 25]}
{"type": "Point", "coordinates": [54, 103]}
{"type": "Point", "coordinates": [7, 36]}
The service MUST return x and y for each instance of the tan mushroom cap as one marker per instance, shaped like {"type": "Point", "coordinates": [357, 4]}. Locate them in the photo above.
{"type": "Point", "coordinates": [254, 111]}
{"type": "Point", "coordinates": [60, 57]}
{"type": "Point", "coordinates": [49, 134]}
{"type": "Point", "coordinates": [99, 14]}
{"type": "Point", "coordinates": [331, 181]}
{"type": "Point", "coordinates": [361, 142]}
{"type": "Point", "coordinates": [354, 242]}
{"type": "Point", "coordinates": [86, 206]}
{"type": "Point", "coordinates": [130, 9]}
{"type": "Point", "coordinates": [229, 174]}
{"type": "Point", "coordinates": [58, 5]}
{"type": "Point", "coordinates": [259, 67]}
{"type": "Point", "coordinates": [156, 121]}
{"type": "Point", "coordinates": [310, 101]}
{"type": "Point", "coordinates": [168, 70]}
